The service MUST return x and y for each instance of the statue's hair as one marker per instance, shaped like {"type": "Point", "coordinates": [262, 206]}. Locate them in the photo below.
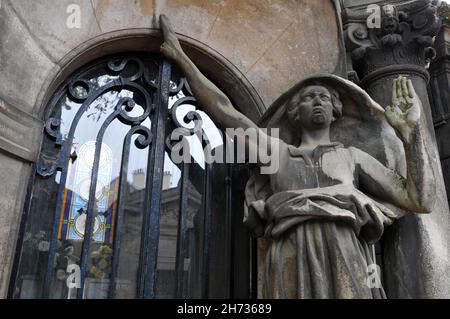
{"type": "Point", "coordinates": [335, 100]}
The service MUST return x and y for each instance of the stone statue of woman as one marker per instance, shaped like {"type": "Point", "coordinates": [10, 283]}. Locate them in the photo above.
{"type": "Point", "coordinates": [327, 201]}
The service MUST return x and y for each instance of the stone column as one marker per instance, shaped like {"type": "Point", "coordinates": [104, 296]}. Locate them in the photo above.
{"type": "Point", "coordinates": [415, 250]}
{"type": "Point", "coordinates": [440, 94]}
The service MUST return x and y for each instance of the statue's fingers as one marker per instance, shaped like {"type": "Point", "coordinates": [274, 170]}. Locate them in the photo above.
{"type": "Point", "coordinates": [394, 91]}
{"type": "Point", "coordinates": [411, 90]}
{"type": "Point", "coordinates": [396, 101]}
{"type": "Point", "coordinates": [399, 87]}
{"type": "Point", "coordinates": [400, 92]}
{"type": "Point", "coordinates": [404, 87]}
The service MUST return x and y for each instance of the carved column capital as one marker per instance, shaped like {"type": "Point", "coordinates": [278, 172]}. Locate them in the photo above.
{"type": "Point", "coordinates": [403, 36]}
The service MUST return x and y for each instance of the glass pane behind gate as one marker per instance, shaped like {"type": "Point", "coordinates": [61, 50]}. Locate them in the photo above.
{"type": "Point", "coordinates": [193, 256]}
{"type": "Point", "coordinates": [72, 199]}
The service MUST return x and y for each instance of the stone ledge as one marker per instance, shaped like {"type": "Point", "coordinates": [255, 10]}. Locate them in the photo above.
{"type": "Point", "coordinates": [20, 132]}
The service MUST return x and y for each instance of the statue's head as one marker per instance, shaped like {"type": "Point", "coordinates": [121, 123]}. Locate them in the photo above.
{"type": "Point", "coordinates": [338, 103]}
{"type": "Point", "coordinates": [314, 106]}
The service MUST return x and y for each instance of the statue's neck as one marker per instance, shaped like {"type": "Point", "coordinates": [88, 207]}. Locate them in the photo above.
{"type": "Point", "coordinates": [313, 138]}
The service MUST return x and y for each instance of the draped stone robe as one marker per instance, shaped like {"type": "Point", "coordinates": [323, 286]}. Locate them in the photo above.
{"type": "Point", "coordinates": [320, 224]}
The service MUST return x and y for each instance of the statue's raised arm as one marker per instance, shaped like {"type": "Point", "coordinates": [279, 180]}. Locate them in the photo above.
{"type": "Point", "coordinates": [215, 102]}
{"type": "Point", "coordinates": [416, 191]}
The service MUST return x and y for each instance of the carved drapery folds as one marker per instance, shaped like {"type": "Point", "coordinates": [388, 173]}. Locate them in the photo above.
{"type": "Point", "coordinates": [404, 35]}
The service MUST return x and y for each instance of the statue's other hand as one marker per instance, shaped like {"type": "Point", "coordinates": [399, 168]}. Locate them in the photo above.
{"type": "Point", "coordinates": [404, 113]}
{"type": "Point", "coordinates": [171, 47]}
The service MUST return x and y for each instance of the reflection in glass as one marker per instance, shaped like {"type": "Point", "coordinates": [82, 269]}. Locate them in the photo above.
{"type": "Point", "coordinates": [169, 219]}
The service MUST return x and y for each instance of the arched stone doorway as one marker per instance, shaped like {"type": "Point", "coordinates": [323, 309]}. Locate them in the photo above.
{"type": "Point", "coordinates": [58, 208]}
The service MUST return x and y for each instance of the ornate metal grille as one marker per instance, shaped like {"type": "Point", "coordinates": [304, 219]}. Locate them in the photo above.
{"type": "Point", "coordinates": [101, 220]}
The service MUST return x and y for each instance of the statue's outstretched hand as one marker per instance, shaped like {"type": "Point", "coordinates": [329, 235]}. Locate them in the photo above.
{"type": "Point", "coordinates": [404, 113]}
{"type": "Point", "coordinates": [171, 47]}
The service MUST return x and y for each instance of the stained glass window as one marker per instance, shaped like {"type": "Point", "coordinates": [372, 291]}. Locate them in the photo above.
{"type": "Point", "coordinates": [76, 196]}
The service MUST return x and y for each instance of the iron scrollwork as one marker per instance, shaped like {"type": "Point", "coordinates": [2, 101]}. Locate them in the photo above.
{"type": "Point", "coordinates": [191, 123]}
{"type": "Point", "coordinates": [82, 91]}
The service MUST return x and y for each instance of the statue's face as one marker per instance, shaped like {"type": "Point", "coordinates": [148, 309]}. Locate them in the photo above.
{"type": "Point", "coordinates": [312, 108]}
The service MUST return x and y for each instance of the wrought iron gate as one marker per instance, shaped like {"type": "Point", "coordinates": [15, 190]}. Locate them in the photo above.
{"type": "Point", "coordinates": [92, 221]}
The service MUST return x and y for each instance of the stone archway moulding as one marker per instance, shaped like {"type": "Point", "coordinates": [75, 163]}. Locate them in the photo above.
{"type": "Point", "coordinates": [212, 64]}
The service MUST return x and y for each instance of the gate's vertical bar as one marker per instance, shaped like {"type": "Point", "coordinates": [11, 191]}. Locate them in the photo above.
{"type": "Point", "coordinates": [119, 218]}
{"type": "Point", "coordinates": [230, 231]}
{"type": "Point", "coordinates": [23, 223]}
{"type": "Point", "coordinates": [150, 238]}
{"type": "Point", "coordinates": [90, 215]}
{"type": "Point", "coordinates": [182, 231]}
{"type": "Point", "coordinates": [48, 276]}
{"type": "Point", "coordinates": [207, 213]}
{"type": "Point", "coordinates": [253, 268]}
{"type": "Point", "coordinates": [140, 285]}
{"type": "Point", "coordinates": [120, 210]}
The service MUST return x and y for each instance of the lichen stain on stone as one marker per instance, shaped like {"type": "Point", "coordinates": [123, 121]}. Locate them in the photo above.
{"type": "Point", "coordinates": [148, 5]}
{"type": "Point", "coordinates": [101, 5]}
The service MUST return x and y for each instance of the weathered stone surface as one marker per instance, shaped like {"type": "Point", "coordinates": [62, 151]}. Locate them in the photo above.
{"type": "Point", "coordinates": [24, 65]}
{"type": "Point", "coordinates": [440, 97]}
{"type": "Point", "coordinates": [20, 133]}
{"type": "Point", "coordinates": [14, 176]}
{"type": "Point", "coordinates": [268, 41]}
{"type": "Point", "coordinates": [114, 15]}
{"type": "Point", "coordinates": [302, 46]}
{"type": "Point", "coordinates": [46, 21]}
{"type": "Point", "coordinates": [442, 134]}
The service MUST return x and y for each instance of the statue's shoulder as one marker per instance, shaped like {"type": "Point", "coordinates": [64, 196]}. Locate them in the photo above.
{"type": "Point", "coordinates": [358, 155]}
